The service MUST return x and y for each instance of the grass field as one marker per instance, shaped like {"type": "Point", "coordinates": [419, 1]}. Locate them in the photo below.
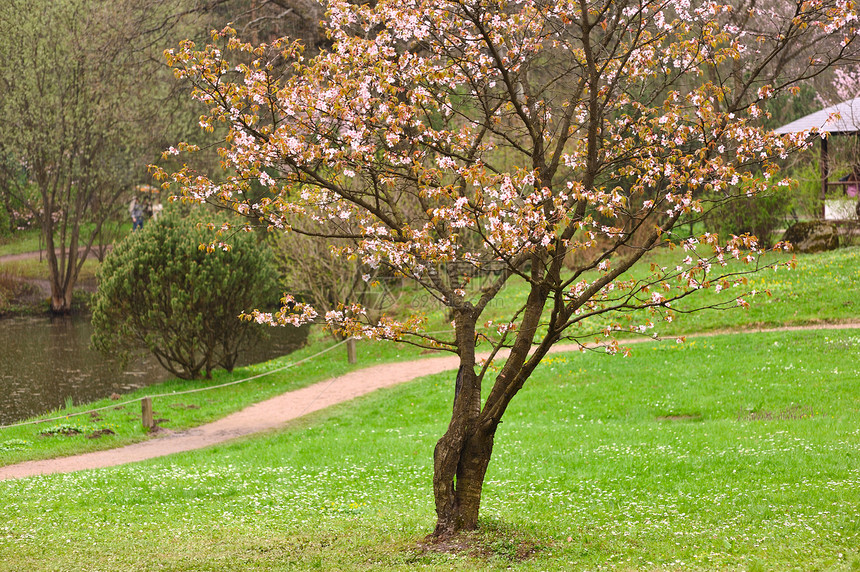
{"type": "Point", "coordinates": [35, 268]}
{"type": "Point", "coordinates": [824, 288]}
{"type": "Point", "coordinates": [679, 457]}
{"type": "Point", "coordinates": [22, 241]}
{"type": "Point", "coordinates": [30, 240]}
{"type": "Point", "coordinates": [725, 453]}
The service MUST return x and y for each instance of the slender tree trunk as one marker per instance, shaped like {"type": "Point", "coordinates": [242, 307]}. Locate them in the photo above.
{"type": "Point", "coordinates": [63, 270]}
{"type": "Point", "coordinates": [58, 293]}
{"type": "Point", "coordinates": [63, 278]}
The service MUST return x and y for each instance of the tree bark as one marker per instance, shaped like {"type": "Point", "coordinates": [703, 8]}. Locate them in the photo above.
{"type": "Point", "coordinates": [60, 297]}
{"type": "Point", "coordinates": [458, 499]}
{"type": "Point", "coordinates": [462, 454]}
{"type": "Point", "coordinates": [63, 276]}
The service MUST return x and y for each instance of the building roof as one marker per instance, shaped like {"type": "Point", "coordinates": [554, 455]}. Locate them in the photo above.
{"type": "Point", "coordinates": [840, 118]}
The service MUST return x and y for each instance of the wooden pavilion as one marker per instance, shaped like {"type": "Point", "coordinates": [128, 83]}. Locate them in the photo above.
{"type": "Point", "coordinates": [840, 119]}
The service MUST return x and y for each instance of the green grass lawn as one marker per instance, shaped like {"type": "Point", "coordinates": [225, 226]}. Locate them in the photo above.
{"type": "Point", "coordinates": [725, 453]}
{"type": "Point", "coordinates": [823, 288]}
{"type": "Point", "coordinates": [22, 241]}
{"type": "Point", "coordinates": [36, 269]}
{"type": "Point", "coordinates": [30, 240]}
{"type": "Point", "coordinates": [680, 457]}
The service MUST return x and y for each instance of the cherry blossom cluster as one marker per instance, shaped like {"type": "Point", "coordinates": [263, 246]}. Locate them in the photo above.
{"type": "Point", "coordinates": [440, 138]}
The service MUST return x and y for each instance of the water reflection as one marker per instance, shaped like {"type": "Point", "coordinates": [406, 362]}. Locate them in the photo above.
{"type": "Point", "coordinates": [46, 361]}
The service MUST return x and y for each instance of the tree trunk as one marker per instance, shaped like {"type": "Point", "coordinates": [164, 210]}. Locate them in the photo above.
{"type": "Point", "coordinates": [61, 302]}
{"type": "Point", "coordinates": [62, 283]}
{"type": "Point", "coordinates": [63, 270]}
{"type": "Point", "coordinates": [458, 480]}
{"type": "Point", "coordinates": [462, 454]}
{"type": "Point", "coordinates": [55, 269]}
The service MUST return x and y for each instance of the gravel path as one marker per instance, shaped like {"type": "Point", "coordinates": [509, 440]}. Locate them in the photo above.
{"type": "Point", "coordinates": [275, 412]}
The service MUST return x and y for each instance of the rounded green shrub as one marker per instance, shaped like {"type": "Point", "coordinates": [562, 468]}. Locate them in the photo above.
{"type": "Point", "coordinates": [160, 290]}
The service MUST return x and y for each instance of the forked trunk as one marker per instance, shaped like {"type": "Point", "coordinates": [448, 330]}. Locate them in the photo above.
{"type": "Point", "coordinates": [463, 453]}
{"type": "Point", "coordinates": [63, 272]}
{"type": "Point", "coordinates": [61, 297]}
{"type": "Point", "coordinates": [458, 480]}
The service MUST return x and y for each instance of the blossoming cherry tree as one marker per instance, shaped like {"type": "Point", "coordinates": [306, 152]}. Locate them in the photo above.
{"type": "Point", "coordinates": [466, 144]}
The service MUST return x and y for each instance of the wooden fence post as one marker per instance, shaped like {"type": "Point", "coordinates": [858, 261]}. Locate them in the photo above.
{"type": "Point", "coordinates": [146, 413]}
{"type": "Point", "coordinates": [350, 351]}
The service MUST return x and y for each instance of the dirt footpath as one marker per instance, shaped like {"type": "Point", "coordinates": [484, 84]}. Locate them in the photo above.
{"type": "Point", "coordinates": [275, 412]}
{"type": "Point", "coordinates": [263, 416]}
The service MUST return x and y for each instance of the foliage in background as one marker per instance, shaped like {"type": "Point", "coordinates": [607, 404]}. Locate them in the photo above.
{"type": "Point", "coordinates": [160, 290]}
{"type": "Point", "coordinates": [312, 270]}
{"type": "Point", "coordinates": [71, 127]}
{"type": "Point", "coordinates": [786, 107]}
{"type": "Point", "coordinates": [5, 222]}
{"type": "Point", "coordinates": [267, 20]}
{"type": "Point", "coordinates": [806, 189]}
{"type": "Point", "coordinates": [760, 215]}
{"type": "Point", "coordinates": [845, 85]}
{"type": "Point", "coordinates": [84, 109]}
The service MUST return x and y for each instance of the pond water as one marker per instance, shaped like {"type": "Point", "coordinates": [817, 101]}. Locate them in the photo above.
{"type": "Point", "coordinates": [46, 361]}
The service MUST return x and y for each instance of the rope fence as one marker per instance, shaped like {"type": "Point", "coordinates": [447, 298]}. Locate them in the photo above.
{"type": "Point", "coordinates": [175, 393]}
{"type": "Point", "coordinates": [146, 400]}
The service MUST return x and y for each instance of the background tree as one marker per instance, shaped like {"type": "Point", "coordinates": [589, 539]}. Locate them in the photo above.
{"type": "Point", "coordinates": [315, 273]}
{"type": "Point", "coordinates": [160, 291]}
{"type": "Point", "coordinates": [266, 20]}
{"type": "Point", "coordinates": [85, 107]}
{"type": "Point", "coordinates": [464, 137]}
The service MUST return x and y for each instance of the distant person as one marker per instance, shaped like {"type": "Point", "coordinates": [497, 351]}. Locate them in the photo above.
{"type": "Point", "coordinates": [135, 209]}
